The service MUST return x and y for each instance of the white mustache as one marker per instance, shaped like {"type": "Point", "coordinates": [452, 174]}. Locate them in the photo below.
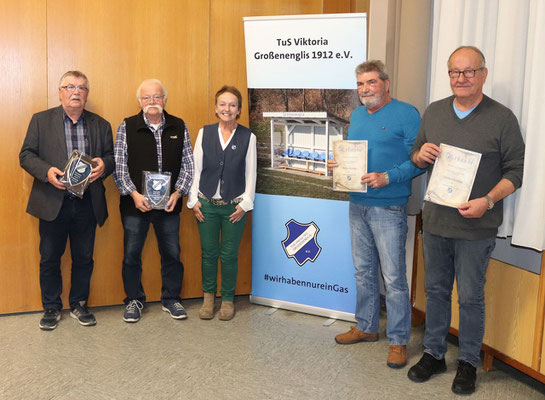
{"type": "Point", "coordinates": [157, 106]}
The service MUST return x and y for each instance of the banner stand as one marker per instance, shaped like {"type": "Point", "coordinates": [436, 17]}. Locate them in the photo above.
{"type": "Point", "coordinates": [286, 305]}
{"type": "Point", "coordinates": [300, 71]}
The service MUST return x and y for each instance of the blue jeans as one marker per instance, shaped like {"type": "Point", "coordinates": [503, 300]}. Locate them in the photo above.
{"type": "Point", "coordinates": [76, 220]}
{"type": "Point", "coordinates": [467, 260]}
{"type": "Point", "coordinates": [378, 235]}
{"type": "Point", "coordinates": [166, 229]}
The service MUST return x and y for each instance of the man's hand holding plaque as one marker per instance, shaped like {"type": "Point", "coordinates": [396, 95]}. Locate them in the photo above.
{"type": "Point", "coordinates": [156, 188]}
{"type": "Point", "coordinates": [77, 173]}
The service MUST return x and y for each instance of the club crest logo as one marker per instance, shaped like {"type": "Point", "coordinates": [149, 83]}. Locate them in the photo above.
{"type": "Point", "coordinates": [301, 243]}
{"type": "Point", "coordinates": [78, 172]}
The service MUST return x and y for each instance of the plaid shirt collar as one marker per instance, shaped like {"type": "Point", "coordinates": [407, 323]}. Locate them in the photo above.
{"type": "Point", "coordinates": [65, 116]}
{"type": "Point", "coordinates": [148, 124]}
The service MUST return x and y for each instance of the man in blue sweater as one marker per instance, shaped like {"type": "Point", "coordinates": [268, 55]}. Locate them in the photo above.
{"type": "Point", "coordinates": [378, 218]}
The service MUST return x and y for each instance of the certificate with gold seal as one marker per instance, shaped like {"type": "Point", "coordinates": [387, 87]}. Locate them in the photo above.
{"type": "Point", "coordinates": [351, 157]}
{"type": "Point", "coordinates": [452, 177]}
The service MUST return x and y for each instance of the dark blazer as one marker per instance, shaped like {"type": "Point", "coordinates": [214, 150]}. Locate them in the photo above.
{"type": "Point", "coordinates": [45, 147]}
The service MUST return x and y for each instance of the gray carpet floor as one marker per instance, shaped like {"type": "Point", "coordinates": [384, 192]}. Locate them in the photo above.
{"type": "Point", "coordinates": [285, 355]}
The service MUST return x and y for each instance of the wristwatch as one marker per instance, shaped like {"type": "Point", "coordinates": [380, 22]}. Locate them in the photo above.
{"type": "Point", "coordinates": [490, 202]}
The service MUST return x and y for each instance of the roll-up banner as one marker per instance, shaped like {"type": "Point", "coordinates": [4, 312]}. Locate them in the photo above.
{"type": "Point", "coordinates": [302, 90]}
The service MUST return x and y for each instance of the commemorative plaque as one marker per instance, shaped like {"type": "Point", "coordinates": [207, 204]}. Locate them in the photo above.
{"type": "Point", "coordinates": [156, 188]}
{"type": "Point", "coordinates": [77, 173]}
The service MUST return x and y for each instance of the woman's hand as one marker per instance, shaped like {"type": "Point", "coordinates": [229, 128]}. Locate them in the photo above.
{"type": "Point", "coordinates": [237, 215]}
{"type": "Point", "coordinates": [197, 211]}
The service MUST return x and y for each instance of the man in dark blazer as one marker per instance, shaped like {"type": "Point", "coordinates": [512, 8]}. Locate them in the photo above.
{"type": "Point", "coordinates": [51, 137]}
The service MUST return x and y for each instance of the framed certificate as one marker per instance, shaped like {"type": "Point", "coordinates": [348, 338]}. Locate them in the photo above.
{"type": "Point", "coordinates": [156, 188]}
{"type": "Point", "coordinates": [351, 155]}
{"type": "Point", "coordinates": [452, 177]}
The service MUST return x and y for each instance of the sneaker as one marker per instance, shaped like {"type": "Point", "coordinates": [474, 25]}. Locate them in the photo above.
{"type": "Point", "coordinates": [82, 314]}
{"type": "Point", "coordinates": [354, 335]}
{"type": "Point", "coordinates": [397, 357]}
{"type": "Point", "coordinates": [175, 309]}
{"type": "Point", "coordinates": [466, 375]}
{"type": "Point", "coordinates": [50, 319]}
{"type": "Point", "coordinates": [133, 311]}
{"type": "Point", "coordinates": [426, 367]}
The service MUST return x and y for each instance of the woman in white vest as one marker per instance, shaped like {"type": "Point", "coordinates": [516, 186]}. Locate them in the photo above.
{"type": "Point", "coordinates": [222, 193]}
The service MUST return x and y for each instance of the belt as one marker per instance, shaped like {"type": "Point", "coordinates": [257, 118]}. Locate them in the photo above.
{"type": "Point", "coordinates": [220, 202]}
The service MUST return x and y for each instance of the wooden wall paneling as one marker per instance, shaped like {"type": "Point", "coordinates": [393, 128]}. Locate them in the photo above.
{"type": "Point", "coordinates": [193, 47]}
{"type": "Point", "coordinates": [337, 6]}
{"type": "Point", "coordinates": [511, 300]}
{"type": "Point", "coordinates": [538, 361]}
{"type": "Point", "coordinates": [360, 6]}
{"type": "Point", "coordinates": [118, 44]}
{"type": "Point", "coordinates": [24, 88]}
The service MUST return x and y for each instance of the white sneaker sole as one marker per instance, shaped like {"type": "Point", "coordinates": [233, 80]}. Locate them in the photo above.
{"type": "Point", "coordinates": [83, 323]}
{"type": "Point", "coordinates": [184, 316]}
{"type": "Point", "coordinates": [50, 328]}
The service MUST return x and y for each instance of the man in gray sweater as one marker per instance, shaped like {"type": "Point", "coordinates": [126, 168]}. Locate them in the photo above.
{"type": "Point", "coordinates": [458, 241]}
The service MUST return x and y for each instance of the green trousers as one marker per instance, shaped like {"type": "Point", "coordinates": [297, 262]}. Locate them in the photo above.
{"type": "Point", "coordinates": [220, 238]}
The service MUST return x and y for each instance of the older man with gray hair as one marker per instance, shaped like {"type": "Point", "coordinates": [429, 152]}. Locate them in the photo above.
{"type": "Point", "coordinates": [458, 241]}
{"type": "Point", "coordinates": [378, 218]}
{"type": "Point", "coordinates": [51, 138]}
{"type": "Point", "coordinates": [154, 142]}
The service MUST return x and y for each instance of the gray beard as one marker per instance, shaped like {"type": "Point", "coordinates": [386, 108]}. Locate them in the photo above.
{"type": "Point", "coordinates": [370, 102]}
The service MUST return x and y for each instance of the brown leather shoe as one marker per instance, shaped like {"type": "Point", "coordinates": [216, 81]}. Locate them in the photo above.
{"type": "Point", "coordinates": [397, 357]}
{"type": "Point", "coordinates": [354, 335]}
{"type": "Point", "coordinates": [207, 309]}
{"type": "Point", "coordinates": [227, 311]}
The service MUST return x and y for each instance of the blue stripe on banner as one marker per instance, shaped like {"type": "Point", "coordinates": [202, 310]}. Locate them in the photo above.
{"type": "Point", "coordinates": [301, 252]}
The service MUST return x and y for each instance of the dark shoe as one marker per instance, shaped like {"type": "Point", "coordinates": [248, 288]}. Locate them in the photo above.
{"type": "Point", "coordinates": [354, 335]}
{"type": "Point", "coordinates": [175, 309]}
{"type": "Point", "coordinates": [426, 367]}
{"type": "Point", "coordinates": [466, 375]}
{"type": "Point", "coordinates": [397, 357]}
{"type": "Point", "coordinates": [50, 319]}
{"type": "Point", "coordinates": [82, 314]}
{"type": "Point", "coordinates": [133, 311]}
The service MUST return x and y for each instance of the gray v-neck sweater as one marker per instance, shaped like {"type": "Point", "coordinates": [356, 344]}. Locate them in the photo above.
{"type": "Point", "coordinates": [490, 129]}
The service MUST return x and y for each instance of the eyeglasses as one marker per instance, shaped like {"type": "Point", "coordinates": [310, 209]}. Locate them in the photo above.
{"type": "Point", "coordinates": [468, 73]}
{"type": "Point", "coordinates": [146, 99]}
{"type": "Point", "coordinates": [72, 88]}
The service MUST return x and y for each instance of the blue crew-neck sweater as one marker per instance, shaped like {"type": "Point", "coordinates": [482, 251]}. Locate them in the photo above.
{"type": "Point", "coordinates": [390, 133]}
